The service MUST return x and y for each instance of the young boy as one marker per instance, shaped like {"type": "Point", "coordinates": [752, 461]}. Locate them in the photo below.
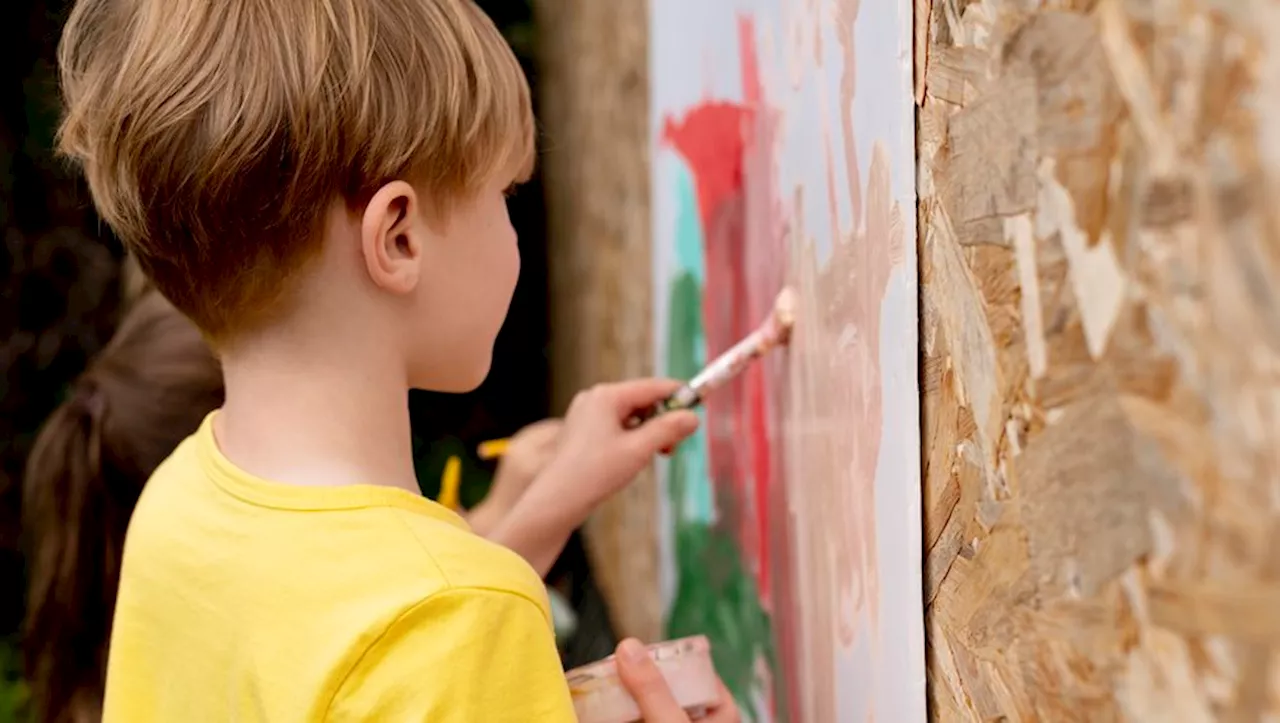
{"type": "Point", "coordinates": [318, 185]}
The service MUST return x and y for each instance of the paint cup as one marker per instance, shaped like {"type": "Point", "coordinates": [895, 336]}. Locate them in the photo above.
{"type": "Point", "coordinates": [599, 696]}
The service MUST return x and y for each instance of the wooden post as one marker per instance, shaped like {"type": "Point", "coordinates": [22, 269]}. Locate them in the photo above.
{"type": "Point", "coordinates": [593, 89]}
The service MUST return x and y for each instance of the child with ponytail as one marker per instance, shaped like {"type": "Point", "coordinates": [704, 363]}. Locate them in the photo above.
{"type": "Point", "coordinates": [147, 391]}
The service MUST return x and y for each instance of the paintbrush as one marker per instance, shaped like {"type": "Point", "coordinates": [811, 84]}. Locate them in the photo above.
{"type": "Point", "coordinates": [774, 332]}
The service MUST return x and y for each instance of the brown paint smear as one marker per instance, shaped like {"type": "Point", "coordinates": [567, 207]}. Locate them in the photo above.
{"type": "Point", "coordinates": [835, 412]}
{"type": "Point", "coordinates": [836, 423]}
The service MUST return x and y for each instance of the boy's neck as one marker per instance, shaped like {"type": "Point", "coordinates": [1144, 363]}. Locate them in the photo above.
{"type": "Point", "coordinates": [317, 417]}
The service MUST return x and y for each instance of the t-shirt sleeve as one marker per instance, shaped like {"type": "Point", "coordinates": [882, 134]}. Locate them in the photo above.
{"type": "Point", "coordinates": [460, 656]}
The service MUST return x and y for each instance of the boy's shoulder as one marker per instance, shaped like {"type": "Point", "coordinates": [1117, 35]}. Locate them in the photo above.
{"type": "Point", "coordinates": [466, 561]}
{"type": "Point", "coordinates": [374, 538]}
{"type": "Point", "coordinates": [345, 597]}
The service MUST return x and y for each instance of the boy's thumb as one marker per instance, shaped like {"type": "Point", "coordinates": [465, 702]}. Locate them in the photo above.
{"type": "Point", "coordinates": [665, 431]}
{"type": "Point", "coordinates": [642, 679]}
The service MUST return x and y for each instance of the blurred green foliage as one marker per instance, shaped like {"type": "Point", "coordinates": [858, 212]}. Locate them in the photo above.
{"type": "Point", "coordinates": [13, 692]}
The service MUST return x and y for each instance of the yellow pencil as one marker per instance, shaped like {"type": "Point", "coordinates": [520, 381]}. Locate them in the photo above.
{"type": "Point", "coordinates": [450, 483]}
{"type": "Point", "coordinates": [492, 449]}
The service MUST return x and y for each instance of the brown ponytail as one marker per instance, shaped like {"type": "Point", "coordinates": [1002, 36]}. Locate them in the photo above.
{"type": "Point", "coordinates": [148, 390]}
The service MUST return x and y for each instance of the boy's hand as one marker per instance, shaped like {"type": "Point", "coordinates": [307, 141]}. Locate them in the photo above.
{"type": "Point", "coordinates": [642, 679]}
{"type": "Point", "coordinates": [597, 455]}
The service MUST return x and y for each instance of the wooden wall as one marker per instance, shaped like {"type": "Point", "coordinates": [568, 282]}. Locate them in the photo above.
{"type": "Point", "coordinates": [1099, 258]}
{"type": "Point", "coordinates": [593, 90]}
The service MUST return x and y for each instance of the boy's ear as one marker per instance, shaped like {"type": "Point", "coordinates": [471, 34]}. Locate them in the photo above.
{"type": "Point", "coordinates": [390, 238]}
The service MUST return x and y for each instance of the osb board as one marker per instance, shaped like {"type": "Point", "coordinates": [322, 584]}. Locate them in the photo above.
{"type": "Point", "coordinates": [593, 94]}
{"type": "Point", "coordinates": [782, 137]}
{"type": "Point", "coordinates": [1099, 259]}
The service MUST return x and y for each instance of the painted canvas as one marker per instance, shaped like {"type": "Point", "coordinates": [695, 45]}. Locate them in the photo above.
{"type": "Point", "coordinates": [783, 142]}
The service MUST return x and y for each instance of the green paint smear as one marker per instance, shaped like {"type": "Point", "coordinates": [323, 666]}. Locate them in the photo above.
{"type": "Point", "coordinates": [692, 486]}
{"type": "Point", "coordinates": [689, 243]}
{"type": "Point", "coordinates": [716, 595]}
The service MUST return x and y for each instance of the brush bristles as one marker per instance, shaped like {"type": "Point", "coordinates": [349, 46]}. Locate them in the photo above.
{"type": "Point", "coordinates": [784, 314]}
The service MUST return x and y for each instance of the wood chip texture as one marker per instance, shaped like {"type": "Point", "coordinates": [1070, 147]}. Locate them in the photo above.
{"type": "Point", "coordinates": [1099, 186]}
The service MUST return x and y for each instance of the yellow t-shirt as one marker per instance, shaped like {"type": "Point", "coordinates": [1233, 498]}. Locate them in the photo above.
{"type": "Point", "coordinates": [247, 600]}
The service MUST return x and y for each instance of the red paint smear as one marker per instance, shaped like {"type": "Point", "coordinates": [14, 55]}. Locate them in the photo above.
{"type": "Point", "coordinates": [766, 264]}
{"type": "Point", "coordinates": [727, 147]}
{"type": "Point", "coordinates": [749, 63]}
{"type": "Point", "coordinates": [756, 421]}
{"type": "Point", "coordinates": [710, 139]}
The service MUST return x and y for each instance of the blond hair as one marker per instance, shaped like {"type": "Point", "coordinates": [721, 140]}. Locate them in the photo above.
{"type": "Point", "coordinates": [215, 135]}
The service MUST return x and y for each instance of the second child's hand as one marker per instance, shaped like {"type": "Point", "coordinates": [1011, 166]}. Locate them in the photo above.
{"type": "Point", "coordinates": [527, 454]}
{"type": "Point", "coordinates": [596, 457]}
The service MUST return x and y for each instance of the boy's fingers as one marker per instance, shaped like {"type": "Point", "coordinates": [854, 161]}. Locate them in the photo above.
{"type": "Point", "coordinates": [638, 394]}
{"type": "Point", "coordinates": [642, 679]}
{"type": "Point", "coordinates": [664, 432]}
